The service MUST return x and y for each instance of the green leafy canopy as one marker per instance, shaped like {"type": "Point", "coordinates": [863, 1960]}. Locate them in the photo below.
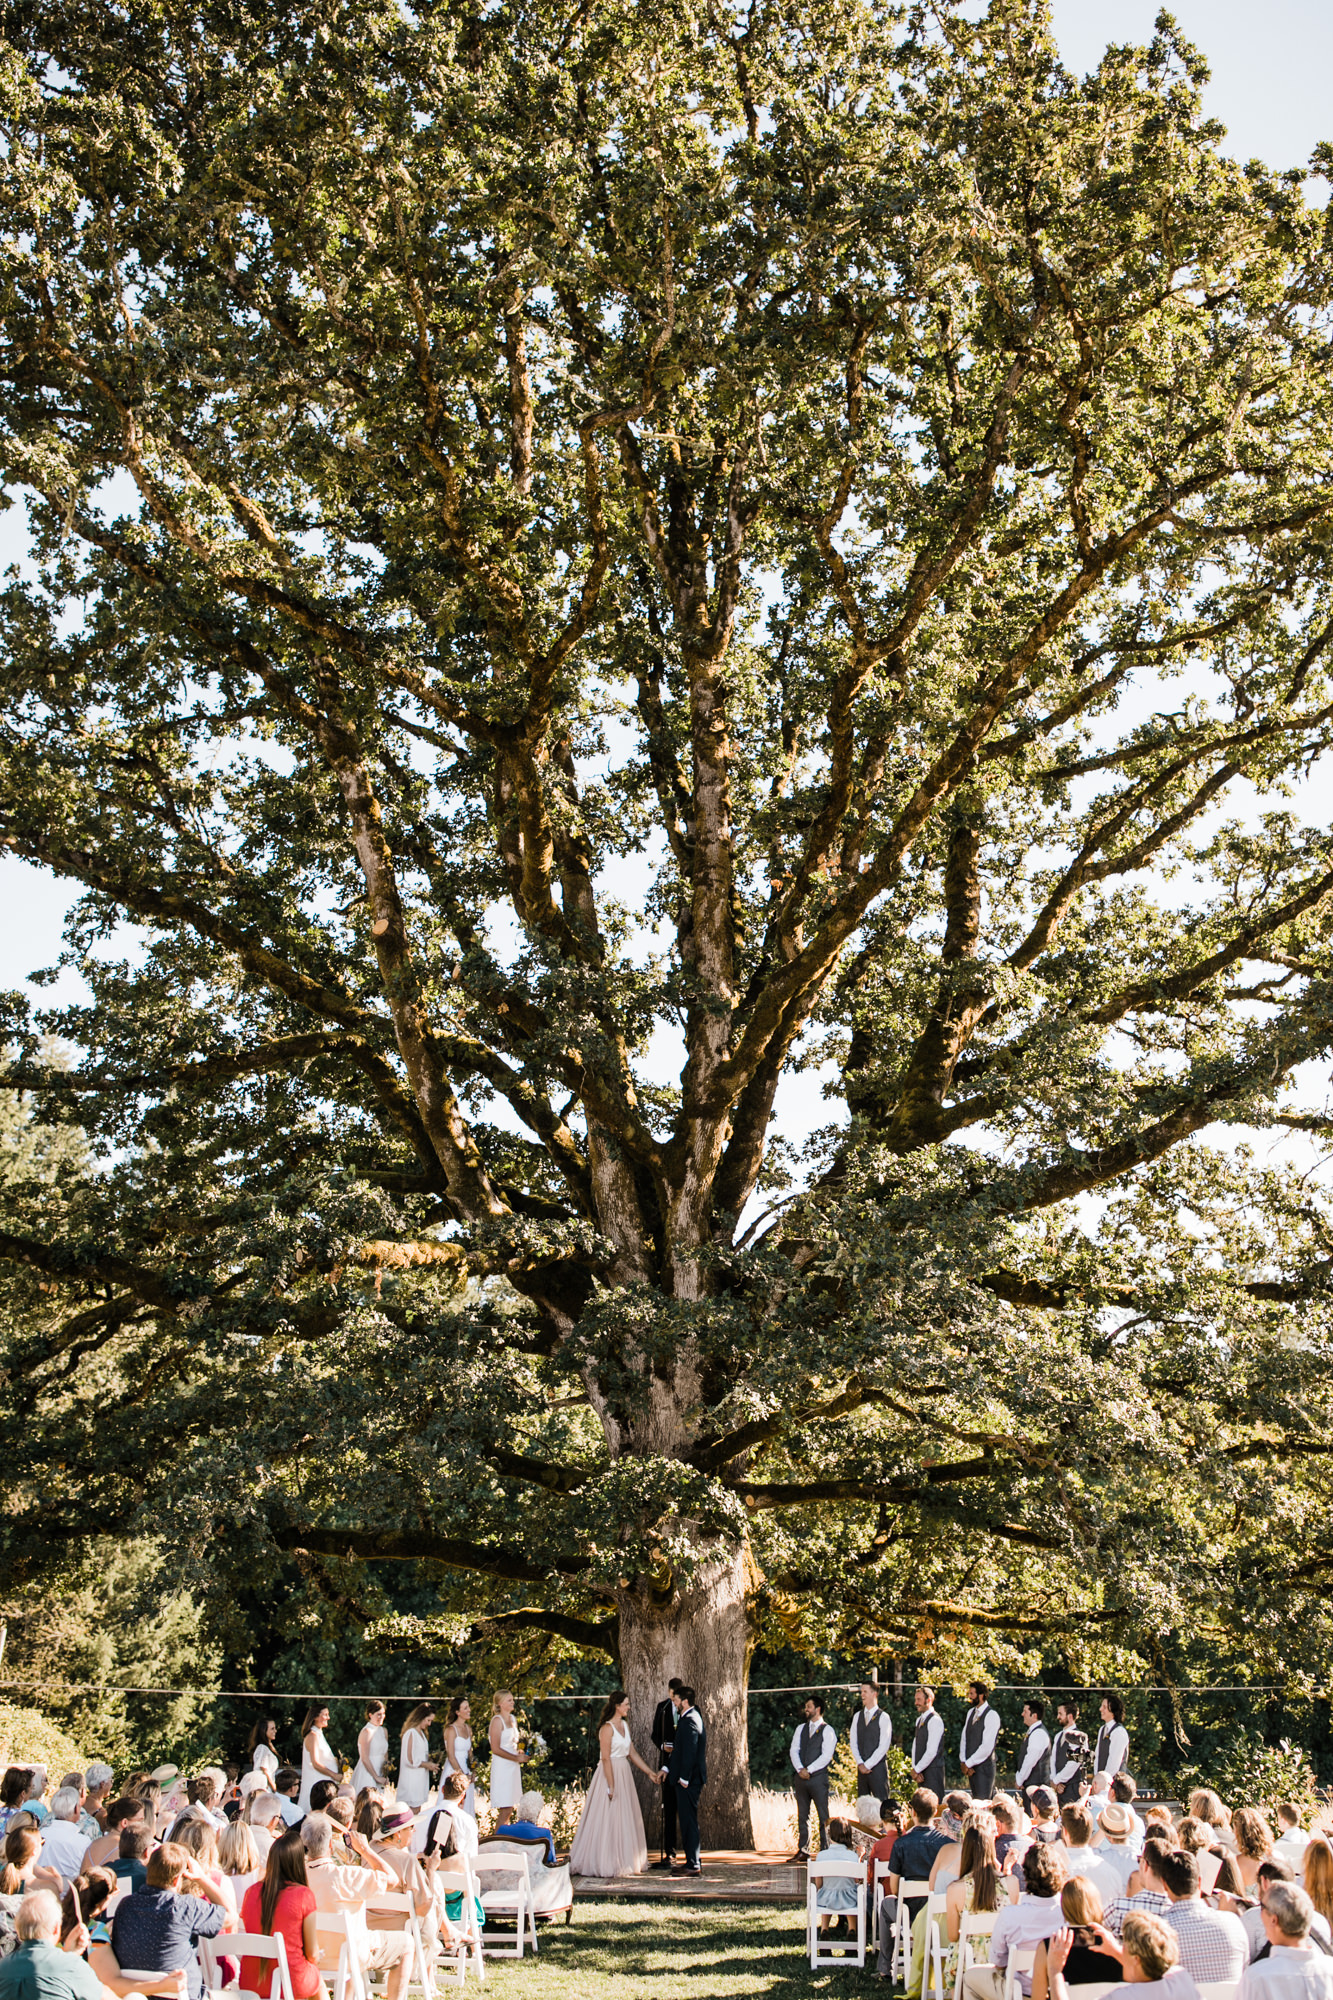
{"type": "Point", "coordinates": [790, 536]}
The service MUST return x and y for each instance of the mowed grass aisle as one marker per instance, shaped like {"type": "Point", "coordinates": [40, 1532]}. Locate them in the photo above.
{"type": "Point", "coordinates": [689, 1952]}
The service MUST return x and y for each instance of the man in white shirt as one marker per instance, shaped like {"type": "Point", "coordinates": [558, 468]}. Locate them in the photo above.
{"type": "Point", "coordinates": [1034, 1918]}
{"type": "Point", "coordinates": [63, 1845]}
{"type": "Point", "coordinates": [871, 1734]}
{"type": "Point", "coordinates": [928, 1744]}
{"type": "Point", "coordinates": [1112, 1753]}
{"type": "Point", "coordinates": [976, 1747]}
{"type": "Point", "coordinates": [337, 1889]}
{"type": "Point", "coordinates": [1034, 1765]}
{"type": "Point", "coordinates": [1295, 1969]}
{"type": "Point", "coordinates": [1292, 1840]}
{"type": "Point", "coordinates": [1271, 1873]}
{"type": "Point", "coordinates": [812, 1749]}
{"type": "Point", "coordinates": [1068, 1753]}
{"type": "Point", "coordinates": [76, 1781]}
{"type": "Point", "coordinates": [1084, 1860]}
{"type": "Point", "coordinates": [1213, 1947]}
{"type": "Point", "coordinates": [287, 1785]}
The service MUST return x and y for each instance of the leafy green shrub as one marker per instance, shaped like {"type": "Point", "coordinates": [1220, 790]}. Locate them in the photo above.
{"type": "Point", "coordinates": [26, 1737]}
{"type": "Point", "coordinates": [1246, 1771]}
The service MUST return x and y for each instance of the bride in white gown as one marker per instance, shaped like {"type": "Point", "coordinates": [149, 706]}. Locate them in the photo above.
{"type": "Point", "coordinates": [610, 1838]}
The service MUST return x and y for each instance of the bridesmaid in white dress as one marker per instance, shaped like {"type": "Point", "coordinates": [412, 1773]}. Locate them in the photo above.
{"type": "Point", "coordinates": [414, 1769]}
{"type": "Point", "coordinates": [458, 1750]}
{"type": "Point", "coordinates": [263, 1756]}
{"type": "Point", "coordinates": [317, 1760]}
{"type": "Point", "coordinates": [610, 1839]}
{"type": "Point", "coordinates": [372, 1751]}
{"type": "Point", "coordinates": [507, 1760]}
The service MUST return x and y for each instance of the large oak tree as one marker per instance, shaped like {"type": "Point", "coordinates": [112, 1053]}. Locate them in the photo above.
{"type": "Point", "coordinates": [586, 560]}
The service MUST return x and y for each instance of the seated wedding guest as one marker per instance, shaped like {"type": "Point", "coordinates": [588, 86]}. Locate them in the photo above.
{"type": "Point", "coordinates": [1011, 1840]}
{"type": "Point", "coordinates": [1206, 1805]}
{"type": "Point", "coordinates": [914, 1855]}
{"type": "Point", "coordinates": [1292, 1839]}
{"type": "Point", "coordinates": [238, 1858]}
{"type": "Point", "coordinates": [959, 1811]}
{"type": "Point", "coordinates": [839, 1894]}
{"type": "Point", "coordinates": [98, 1780]}
{"type": "Point", "coordinates": [393, 1845]}
{"type": "Point", "coordinates": [337, 1888]}
{"type": "Point", "coordinates": [1273, 1871]}
{"type": "Point", "coordinates": [1023, 1925]}
{"type": "Point", "coordinates": [1151, 1954]}
{"type": "Point", "coordinates": [890, 1826]}
{"type": "Point", "coordinates": [63, 1846]}
{"type": "Point", "coordinates": [199, 1837]}
{"type": "Point", "coordinates": [84, 1902]}
{"type": "Point", "coordinates": [1319, 1876]}
{"type": "Point", "coordinates": [449, 1827]}
{"type": "Point", "coordinates": [339, 1813]}
{"type": "Point", "coordinates": [1254, 1842]}
{"type": "Point", "coordinates": [76, 1781]}
{"type": "Point", "coordinates": [528, 1825]}
{"type": "Point", "coordinates": [1098, 1794]}
{"type": "Point", "coordinates": [1146, 1896]}
{"type": "Point", "coordinates": [1044, 1815]}
{"type": "Point", "coordinates": [1294, 1967]}
{"type": "Point", "coordinates": [1086, 1860]}
{"type": "Point", "coordinates": [287, 1785]}
{"type": "Point", "coordinates": [39, 1969]}
{"type": "Point", "coordinates": [1213, 1947]}
{"type": "Point", "coordinates": [24, 1870]}
{"type": "Point", "coordinates": [980, 1888]}
{"type": "Point", "coordinates": [321, 1792]}
{"type": "Point", "coordinates": [267, 1821]}
{"type": "Point", "coordinates": [283, 1905]}
{"type": "Point", "coordinates": [158, 1928]}
{"type": "Point", "coordinates": [130, 1866]}
{"type": "Point", "coordinates": [1116, 1849]}
{"type": "Point", "coordinates": [120, 1813]}
{"type": "Point", "coordinates": [13, 1791]}
{"type": "Point", "coordinates": [34, 1799]}
{"type": "Point", "coordinates": [1089, 1961]}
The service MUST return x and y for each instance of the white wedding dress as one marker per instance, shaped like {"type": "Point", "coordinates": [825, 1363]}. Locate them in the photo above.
{"type": "Point", "coordinates": [610, 1839]}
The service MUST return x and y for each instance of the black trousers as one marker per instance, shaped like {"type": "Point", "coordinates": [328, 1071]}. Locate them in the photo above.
{"type": "Point", "coordinates": [669, 1819]}
{"type": "Point", "coordinates": [981, 1779]}
{"type": "Point", "coordinates": [687, 1809]}
{"type": "Point", "coordinates": [812, 1791]}
{"type": "Point", "coordinates": [932, 1778]}
{"type": "Point", "coordinates": [873, 1783]}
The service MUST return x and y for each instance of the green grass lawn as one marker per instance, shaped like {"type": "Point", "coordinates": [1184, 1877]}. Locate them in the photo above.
{"type": "Point", "coordinates": [688, 1952]}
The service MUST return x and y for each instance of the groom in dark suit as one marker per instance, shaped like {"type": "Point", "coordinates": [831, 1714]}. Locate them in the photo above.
{"type": "Point", "coordinates": [687, 1774]}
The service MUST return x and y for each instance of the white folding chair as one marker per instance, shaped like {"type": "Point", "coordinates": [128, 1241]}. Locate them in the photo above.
{"type": "Point", "coordinates": [346, 1932]}
{"type": "Point", "coordinates": [236, 1944]}
{"type": "Point", "coordinates": [1022, 1958]}
{"type": "Point", "coordinates": [937, 1926]}
{"type": "Point", "coordinates": [454, 1877]}
{"type": "Point", "coordinates": [501, 1901]}
{"type": "Point", "coordinates": [824, 1950]}
{"type": "Point", "coordinates": [972, 1924]}
{"type": "Point", "coordinates": [404, 1906]}
{"type": "Point", "coordinates": [901, 1963]}
{"type": "Point", "coordinates": [879, 1888]}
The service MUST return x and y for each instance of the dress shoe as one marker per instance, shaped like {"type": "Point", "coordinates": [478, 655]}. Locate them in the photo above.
{"type": "Point", "coordinates": [801, 1854]}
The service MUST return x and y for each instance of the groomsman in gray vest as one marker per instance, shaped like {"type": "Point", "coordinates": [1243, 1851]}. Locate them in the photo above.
{"type": "Point", "coordinates": [928, 1744]}
{"type": "Point", "coordinates": [871, 1735]}
{"type": "Point", "coordinates": [981, 1733]}
{"type": "Point", "coordinates": [812, 1749]}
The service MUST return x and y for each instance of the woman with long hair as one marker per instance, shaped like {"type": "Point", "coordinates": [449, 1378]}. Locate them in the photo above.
{"type": "Point", "coordinates": [458, 1750]}
{"type": "Point", "coordinates": [1319, 1875]}
{"type": "Point", "coordinates": [317, 1760]}
{"type": "Point", "coordinates": [199, 1837]}
{"type": "Point", "coordinates": [1254, 1842]}
{"type": "Point", "coordinates": [977, 1890]}
{"type": "Point", "coordinates": [22, 1871]}
{"type": "Point", "coordinates": [372, 1750]}
{"type": "Point", "coordinates": [283, 1905]}
{"type": "Point", "coordinates": [610, 1839]}
{"type": "Point", "coordinates": [1094, 1956]}
{"type": "Point", "coordinates": [507, 1760]}
{"type": "Point", "coordinates": [238, 1857]}
{"type": "Point", "coordinates": [1207, 1806]}
{"type": "Point", "coordinates": [261, 1751]}
{"type": "Point", "coordinates": [414, 1765]}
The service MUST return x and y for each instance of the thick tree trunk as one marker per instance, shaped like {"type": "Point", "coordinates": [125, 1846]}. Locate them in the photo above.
{"type": "Point", "coordinates": [702, 1638]}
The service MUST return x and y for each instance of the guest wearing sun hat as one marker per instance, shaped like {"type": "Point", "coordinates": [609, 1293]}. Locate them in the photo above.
{"type": "Point", "coordinates": [1115, 1828]}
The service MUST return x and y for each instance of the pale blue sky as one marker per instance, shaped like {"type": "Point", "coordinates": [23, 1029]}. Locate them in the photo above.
{"type": "Point", "coordinates": [1271, 65]}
